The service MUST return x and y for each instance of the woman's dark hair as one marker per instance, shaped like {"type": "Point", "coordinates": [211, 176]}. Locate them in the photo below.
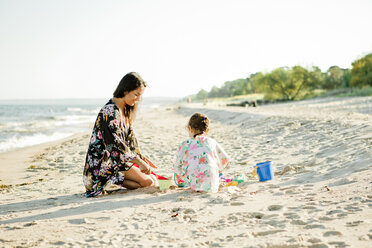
{"type": "Point", "coordinates": [131, 81]}
{"type": "Point", "coordinates": [199, 122]}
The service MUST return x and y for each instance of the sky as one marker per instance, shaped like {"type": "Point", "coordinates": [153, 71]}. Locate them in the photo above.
{"type": "Point", "coordinates": [82, 48]}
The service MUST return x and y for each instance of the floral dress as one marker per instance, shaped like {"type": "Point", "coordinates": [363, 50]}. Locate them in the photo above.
{"type": "Point", "coordinates": [198, 162]}
{"type": "Point", "coordinates": [111, 148]}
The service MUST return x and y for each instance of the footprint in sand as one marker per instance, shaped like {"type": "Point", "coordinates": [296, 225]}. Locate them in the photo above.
{"type": "Point", "coordinates": [354, 223]}
{"type": "Point", "coordinates": [298, 222]}
{"type": "Point", "coordinates": [369, 236]}
{"type": "Point", "coordinates": [291, 215]}
{"type": "Point", "coordinates": [290, 190]}
{"type": "Point", "coordinates": [338, 244]}
{"type": "Point", "coordinates": [352, 208]}
{"type": "Point", "coordinates": [234, 218]}
{"type": "Point", "coordinates": [77, 221]}
{"type": "Point", "coordinates": [325, 218]}
{"type": "Point", "coordinates": [270, 232]}
{"type": "Point", "coordinates": [314, 240]}
{"type": "Point", "coordinates": [276, 223]}
{"type": "Point", "coordinates": [332, 233]}
{"type": "Point", "coordinates": [91, 239]}
{"type": "Point", "coordinates": [341, 215]}
{"type": "Point", "coordinates": [218, 200]}
{"type": "Point", "coordinates": [337, 212]}
{"type": "Point", "coordinates": [270, 216]}
{"type": "Point", "coordinates": [189, 211]}
{"type": "Point", "coordinates": [256, 215]}
{"type": "Point", "coordinates": [275, 207]}
{"type": "Point", "coordinates": [308, 188]}
{"type": "Point", "coordinates": [318, 246]}
{"type": "Point", "coordinates": [124, 226]}
{"type": "Point", "coordinates": [59, 243]}
{"type": "Point", "coordinates": [313, 226]}
{"type": "Point", "coordinates": [309, 207]}
{"type": "Point", "coordinates": [189, 217]}
{"type": "Point", "coordinates": [198, 234]}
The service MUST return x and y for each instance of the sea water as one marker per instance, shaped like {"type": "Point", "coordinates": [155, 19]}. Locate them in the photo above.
{"type": "Point", "coordinates": [30, 122]}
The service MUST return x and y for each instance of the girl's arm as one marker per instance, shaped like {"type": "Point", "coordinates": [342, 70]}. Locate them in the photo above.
{"type": "Point", "coordinates": [223, 158]}
{"type": "Point", "coordinates": [180, 164]}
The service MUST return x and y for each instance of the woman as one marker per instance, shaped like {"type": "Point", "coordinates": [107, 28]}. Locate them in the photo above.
{"type": "Point", "coordinates": [113, 148]}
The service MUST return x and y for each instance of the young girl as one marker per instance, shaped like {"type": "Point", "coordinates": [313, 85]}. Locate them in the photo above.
{"type": "Point", "coordinates": [199, 159]}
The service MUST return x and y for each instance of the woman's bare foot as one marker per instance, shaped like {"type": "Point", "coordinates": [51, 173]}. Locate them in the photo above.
{"type": "Point", "coordinates": [154, 180]}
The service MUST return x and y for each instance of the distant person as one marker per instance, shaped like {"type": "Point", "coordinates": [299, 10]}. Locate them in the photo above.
{"type": "Point", "coordinates": [254, 103]}
{"type": "Point", "coordinates": [113, 147]}
{"type": "Point", "coordinates": [188, 99]}
{"type": "Point", "coordinates": [199, 159]}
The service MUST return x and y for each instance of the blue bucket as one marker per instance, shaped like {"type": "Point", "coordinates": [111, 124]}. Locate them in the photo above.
{"type": "Point", "coordinates": [265, 171]}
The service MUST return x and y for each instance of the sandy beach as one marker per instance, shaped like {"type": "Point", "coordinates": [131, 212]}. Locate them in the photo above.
{"type": "Point", "coordinates": [321, 195]}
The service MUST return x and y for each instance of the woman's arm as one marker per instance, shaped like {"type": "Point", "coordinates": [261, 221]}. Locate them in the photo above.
{"type": "Point", "coordinates": [148, 162]}
{"type": "Point", "coordinates": [143, 165]}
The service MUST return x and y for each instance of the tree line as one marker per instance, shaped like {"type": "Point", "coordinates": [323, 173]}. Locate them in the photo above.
{"type": "Point", "coordinates": [295, 83]}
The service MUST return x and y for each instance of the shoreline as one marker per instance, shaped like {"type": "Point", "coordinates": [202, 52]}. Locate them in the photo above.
{"type": "Point", "coordinates": [320, 196]}
{"type": "Point", "coordinates": [14, 163]}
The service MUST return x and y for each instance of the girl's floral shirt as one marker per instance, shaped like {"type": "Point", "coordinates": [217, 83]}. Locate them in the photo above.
{"type": "Point", "coordinates": [198, 162]}
{"type": "Point", "coordinates": [111, 148]}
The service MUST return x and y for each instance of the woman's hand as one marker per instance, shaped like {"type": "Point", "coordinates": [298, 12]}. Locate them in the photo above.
{"type": "Point", "coordinates": [150, 163]}
{"type": "Point", "coordinates": [145, 168]}
{"type": "Point", "coordinates": [144, 164]}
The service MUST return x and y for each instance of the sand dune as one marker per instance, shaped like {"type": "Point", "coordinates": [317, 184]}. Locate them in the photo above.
{"type": "Point", "coordinates": [320, 197]}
